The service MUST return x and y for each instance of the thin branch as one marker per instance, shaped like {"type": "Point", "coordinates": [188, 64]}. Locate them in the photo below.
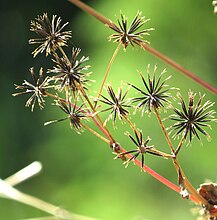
{"type": "Point", "coordinates": [159, 177]}
{"type": "Point", "coordinates": [94, 111]}
{"type": "Point", "coordinates": [131, 125]}
{"type": "Point", "coordinates": [178, 168]}
{"type": "Point", "coordinates": [7, 191]}
{"type": "Point", "coordinates": [164, 131]}
{"type": "Point", "coordinates": [18, 196]}
{"type": "Point", "coordinates": [112, 141]}
{"type": "Point", "coordinates": [179, 145]}
{"type": "Point", "coordinates": [95, 133]}
{"type": "Point", "coordinates": [107, 72]}
{"type": "Point", "coordinates": [91, 11]}
{"type": "Point", "coordinates": [104, 131]}
{"type": "Point", "coordinates": [178, 67]}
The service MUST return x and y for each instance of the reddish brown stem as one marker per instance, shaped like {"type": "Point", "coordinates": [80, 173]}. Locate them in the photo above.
{"type": "Point", "coordinates": [179, 68]}
{"type": "Point", "coordinates": [187, 183]}
{"type": "Point", "coordinates": [90, 11]}
{"type": "Point", "coordinates": [104, 131]}
{"type": "Point", "coordinates": [159, 177]}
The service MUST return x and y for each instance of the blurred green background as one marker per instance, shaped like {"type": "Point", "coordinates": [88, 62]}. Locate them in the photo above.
{"type": "Point", "coordinates": [79, 172]}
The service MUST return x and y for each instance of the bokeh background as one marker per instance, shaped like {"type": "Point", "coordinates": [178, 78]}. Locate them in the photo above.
{"type": "Point", "coordinates": [79, 172]}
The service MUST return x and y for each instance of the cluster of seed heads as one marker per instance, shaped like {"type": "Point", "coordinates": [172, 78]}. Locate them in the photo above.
{"type": "Point", "coordinates": [68, 80]}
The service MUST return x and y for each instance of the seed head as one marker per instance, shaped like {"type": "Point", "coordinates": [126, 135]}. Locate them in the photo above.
{"type": "Point", "coordinates": [132, 34]}
{"type": "Point", "coordinates": [142, 148]}
{"type": "Point", "coordinates": [209, 192]}
{"type": "Point", "coordinates": [50, 32]}
{"type": "Point", "coordinates": [192, 119]}
{"type": "Point", "coordinates": [154, 94]}
{"type": "Point", "coordinates": [74, 113]}
{"type": "Point", "coordinates": [117, 104]}
{"type": "Point", "coordinates": [71, 72]}
{"type": "Point", "coordinates": [37, 89]}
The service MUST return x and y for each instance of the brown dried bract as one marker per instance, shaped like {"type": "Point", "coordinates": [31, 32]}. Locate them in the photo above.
{"type": "Point", "coordinates": [209, 192]}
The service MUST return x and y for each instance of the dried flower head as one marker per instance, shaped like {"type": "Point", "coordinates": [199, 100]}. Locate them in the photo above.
{"type": "Point", "coordinates": [193, 118]}
{"type": "Point", "coordinates": [51, 35]}
{"type": "Point", "coordinates": [71, 72]}
{"type": "Point", "coordinates": [154, 95]}
{"type": "Point", "coordinates": [74, 113]}
{"type": "Point", "coordinates": [117, 104]}
{"type": "Point", "coordinates": [209, 192]}
{"type": "Point", "coordinates": [132, 34]}
{"type": "Point", "coordinates": [37, 89]}
{"type": "Point", "coordinates": [142, 148]}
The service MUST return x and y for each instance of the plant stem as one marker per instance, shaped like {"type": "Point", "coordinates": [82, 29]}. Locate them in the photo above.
{"type": "Point", "coordinates": [178, 168]}
{"type": "Point", "coordinates": [95, 133]}
{"type": "Point", "coordinates": [53, 96]}
{"type": "Point", "coordinates": [159, 177]}
{"type": "Point", "coordinates": [137, 162]}
{"type": "Point", "coordinates": [94, 110]}
{"type": "Point", "coordinates": [64, 54]}
{"type": "Point", "coordinates": [95, 121]}
{"type": "Point", "coordinates": [145, 46]}
{"type": "Point", "coordinates": [90, 11]}
{"type": "Point", "coordinates": [196, 198]}
{"type": "Point", "coordinates": [131, 124]}
{"type": "Point", "coordinates": [109, 140]}
{"type": "Point", "coordinates": [107, 72]}
{"type": "Point", "coordinates": [164, 131]}
{"type": "Point", "coordinates": [103, 130]}
{"type": "Point", "coordinates": [24, 174]}
{"type": "Point", "coordinates": [178, 67]}
{"type": "Point", "coordinates": [14, 194]}
{"type": "Point", "coordinates": [180, 145]}
{"type": "Point", "coordinates": [192, 190]}
{"type": "Point", "coordinates": [7, 191]}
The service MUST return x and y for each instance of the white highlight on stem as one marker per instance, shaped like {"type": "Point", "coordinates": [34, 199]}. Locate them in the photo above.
{"type": "Point", "coordinates": [12, 193]}
{"type": "Point", "coordinates": [8, 191]}
{"type": "Point", "coordinates": [24, 174]}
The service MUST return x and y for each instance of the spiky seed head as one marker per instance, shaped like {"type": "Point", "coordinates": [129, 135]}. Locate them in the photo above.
{"type": "Point", "coordinates": [191, 119]}
{"type": "Point", "coordinates": [154, 93]}
{"type": "Point", "coordinates": [118, 104]}
{"type": "Point", "coordinates": [142, 148]}
{"type": "Point", "coordinates": [51, 34]}
{"type": "Point", "coordinates": [130, 35]}
{"type": "Point", "coordinates": [71, 72]}
{"type": "Point", "coordinates": [74, 113]}
{"type": "Point", "coordinates": [36, 89]}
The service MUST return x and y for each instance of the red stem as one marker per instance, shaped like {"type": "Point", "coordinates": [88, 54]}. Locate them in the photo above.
{"type": "Point", "coordinates": [102, 129]}
{"type": "Point", "coordinates": [159, 177]}
{"type": "Point", "coordinates": [179, 68]}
